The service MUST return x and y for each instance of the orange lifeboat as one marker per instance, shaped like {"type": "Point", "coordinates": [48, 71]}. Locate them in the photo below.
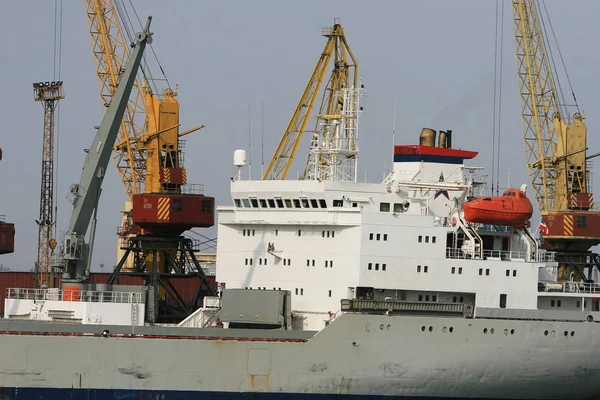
{"type": "Point", "coordinates": [513, 208]}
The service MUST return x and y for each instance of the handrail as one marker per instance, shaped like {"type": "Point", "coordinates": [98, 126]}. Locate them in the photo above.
{"type": "Point", "coordinates": [504, 255]}
{"type": "Point", "coordinates": [75, 296]}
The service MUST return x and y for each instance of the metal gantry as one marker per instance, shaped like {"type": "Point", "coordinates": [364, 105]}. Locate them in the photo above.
{"type": "Point", "coordinates": [48, 94]}
{"type": "Point", "coordinates": [336, 47]}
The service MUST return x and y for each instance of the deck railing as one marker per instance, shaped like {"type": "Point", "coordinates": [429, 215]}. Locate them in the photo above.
{"type": "Point", "coordinates": [76, 296]}
{"type": "Point", "coordinates": [568, 287]}
{"type": "Point", "coordinates": [504, 255]}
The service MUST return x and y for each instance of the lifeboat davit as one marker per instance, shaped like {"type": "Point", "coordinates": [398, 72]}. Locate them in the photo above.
{"type": "Point", "coordinates": [512, 209]}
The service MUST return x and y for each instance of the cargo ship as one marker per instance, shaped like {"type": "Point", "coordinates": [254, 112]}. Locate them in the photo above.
{"type": "Point", "coordinates": [330, 289]}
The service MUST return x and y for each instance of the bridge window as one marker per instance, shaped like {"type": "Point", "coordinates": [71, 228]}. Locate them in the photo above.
{"type": "Point", "coordinates": [296, 203]}
{"type": "Point", "coordinates": [254, 203]}
{"type": "Point", "coordinates": [338, 203]}
{"type": "Point", "coordinates": [288, 203]}
{"type": "Point", "coordinates": [205, 207]}
{"type": "Point", "coordinates": [398, 208]}
{"type": "Point", "coordinates": [246, 203]}
{"type": "Point", "coordinates": [384, 207]}
{"type": "Point", "coordinates": [313, 203]}
{"type": "Point", "coordinates": [263, 203]}
{"type": "Point", "coordinates": [581, 221]}
{"type": "Point", "coordinates": [305, 203]}
{"type": "Point", "coordinates": [237, 202]}
{"type": "Point", "coordinates": [323, 203]}
{"type": "Point", "coordinates": [279, 203]}
{"type": "Point", "coordinates": [271, 203]}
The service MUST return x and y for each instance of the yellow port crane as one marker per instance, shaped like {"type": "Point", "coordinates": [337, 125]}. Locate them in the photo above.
{"type": "Point", "coordinates": [338, 49]}
{"type": "Point", "coordinates": [556, 147]}
{"type": "Point", "coordinates": [111, 52]}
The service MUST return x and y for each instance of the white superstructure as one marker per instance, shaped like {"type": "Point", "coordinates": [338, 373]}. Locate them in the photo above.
{"type": "Point", "coordinates": [402, 240]}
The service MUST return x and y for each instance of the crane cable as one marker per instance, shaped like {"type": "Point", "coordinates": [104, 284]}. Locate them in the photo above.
{"type": "Point", "coordinates": [546, 36]}
{"type": "Point", "coordinates": [128, 27]}
{"type": "Point", "coordinates": [498, 61]}
{"type": "Point", "coordinates": [57, 66]}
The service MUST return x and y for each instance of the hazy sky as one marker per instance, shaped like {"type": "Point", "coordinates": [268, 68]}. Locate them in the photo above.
{"type": "Point", "coordinates": [436, 56]}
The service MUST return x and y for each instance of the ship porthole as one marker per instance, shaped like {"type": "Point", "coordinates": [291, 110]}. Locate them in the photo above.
{"type": "Point", "coordinates": [423, 328]}
{"type": "Point", "coordinates": [566, 333]}
{"type": "Point", "coordinates": [572, 333]}
{"type": "Point", "coordinates": [512, 331]}
{"type": "Point", "coordinates": [444, 329]}
{"type": "Point", "coordinates": [381, 326]}
{"type": "Point", "coordinates": [451, 329]}
{"type": "Point", "coordinates": [553, 333]}
{"type": "Point", "coordinates": [431, 329]}
{"type": "Point", "coordinates": [590, 318]}
{"type": "Point", "coordinates": [389, 327]}
{"type": "Point", "coordinates": [506, 332]}
{"type": "Point", "coordinates": [484, 330]}
{"type": "Point", "coordinates": [545, 333]}
{"type": "Point", "coordinates": [492, 331]}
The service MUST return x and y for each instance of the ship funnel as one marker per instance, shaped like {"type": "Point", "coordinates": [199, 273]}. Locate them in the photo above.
{"type": "Point", "coordinates": [427, 137]}
{"type": "Point", "coordinates": [445, 139]}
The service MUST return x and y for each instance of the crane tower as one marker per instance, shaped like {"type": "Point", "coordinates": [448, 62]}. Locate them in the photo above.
{"type": "Point", "coordinates": [48, 93]}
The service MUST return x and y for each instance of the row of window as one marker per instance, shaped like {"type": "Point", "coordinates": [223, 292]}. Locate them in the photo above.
{"type": "Point", "coordinates": [299, 292]}
{"type": "Point", "coordinates": [287, 261]}
{"type": "Point", "coordinates": [398, 207]}
{"type": "Point", "coordinates": [378, 236]}
{"type": "Point", "coordinates": [433, 239]}
{"type": "Point", "coordinates": [425, 268]}
{"type": "Point", "coordinates": [426, 297]}
{"type": "Point", "coordinates": [375, 266]}
{"type": "Point", "coordinates": [514, 272]}
{"type": "Point", "coordinates": [329, 234]}
{"type": "Point", "coordinates": [280, 203]}
{"type": "Point", "coordinates": [454, 270]}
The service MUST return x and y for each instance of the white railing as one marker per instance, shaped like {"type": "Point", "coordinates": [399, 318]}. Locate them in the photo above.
{"type": "Point", "coordinates": [505, 255]}
{"type": "Point", "coordinates": [76, 296]}
{"type": "Point", "coordinates": [568, 287]}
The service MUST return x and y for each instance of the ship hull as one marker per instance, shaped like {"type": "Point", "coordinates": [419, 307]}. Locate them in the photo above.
{"type": "Point", "coordinates": [355, 356]}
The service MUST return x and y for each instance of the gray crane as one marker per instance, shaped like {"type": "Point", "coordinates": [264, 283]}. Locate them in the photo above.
{"type": "Point", "coordinates": [76, 254]}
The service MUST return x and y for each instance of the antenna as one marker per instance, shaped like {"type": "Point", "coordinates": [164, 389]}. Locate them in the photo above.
{"type": "Point", "coordinates": [394, 124]}
{"type": "Point", "coordinates": [249, 144]}
{"type": "Point", "coordinates": [262, 139]}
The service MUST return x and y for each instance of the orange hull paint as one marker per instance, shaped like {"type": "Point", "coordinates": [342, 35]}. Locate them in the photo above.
{"type": "Point", "coordinates": [513, 208]}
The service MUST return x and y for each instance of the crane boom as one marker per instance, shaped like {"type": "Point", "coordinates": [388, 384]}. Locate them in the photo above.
{"type": "Point", "coordinates": [555, 147]}
{"type": "Point", "coordinates": [111, 52]}
{"type": "Point", "coordinates": [286, 151]}
{"type": "Point", "coordinates": [86, 194]}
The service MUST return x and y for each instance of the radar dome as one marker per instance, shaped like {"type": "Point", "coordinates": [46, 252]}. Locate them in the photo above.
{"type": "Point", "coordinates": [239, 158]}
